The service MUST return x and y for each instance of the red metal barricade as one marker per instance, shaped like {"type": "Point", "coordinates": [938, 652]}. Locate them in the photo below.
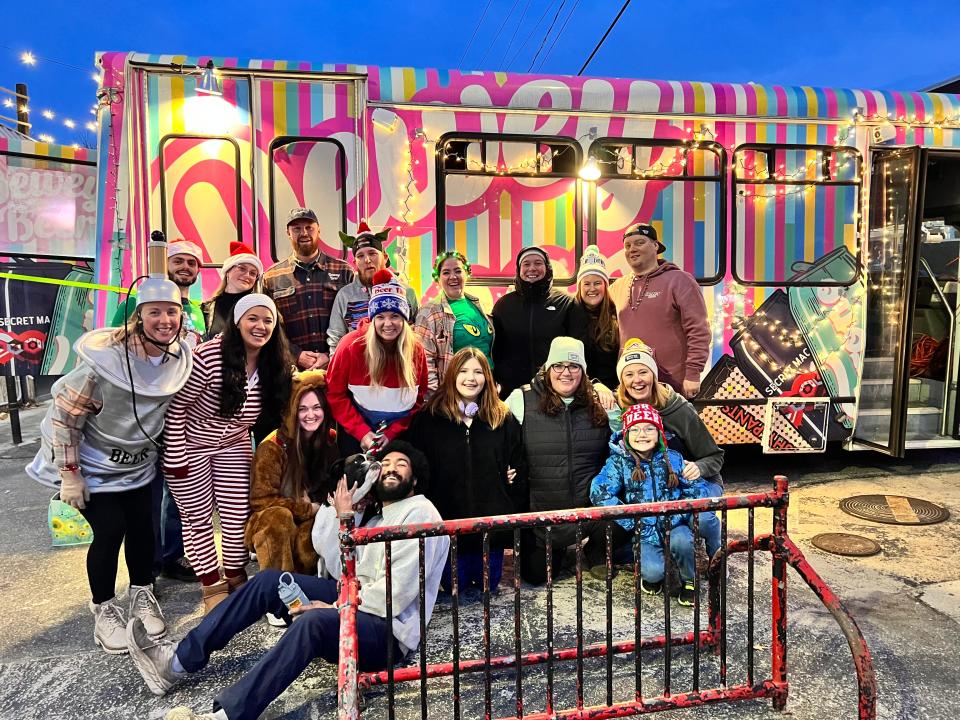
{"type": "Point", "coordinates": [713, 637]}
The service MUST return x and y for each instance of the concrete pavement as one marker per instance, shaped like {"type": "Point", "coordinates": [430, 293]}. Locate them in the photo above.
{"type": "Point", "coordinates": [905, 600]}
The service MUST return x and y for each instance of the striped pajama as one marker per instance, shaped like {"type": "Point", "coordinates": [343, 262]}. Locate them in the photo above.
{"type": "Point", "coordinates": [207, 462]}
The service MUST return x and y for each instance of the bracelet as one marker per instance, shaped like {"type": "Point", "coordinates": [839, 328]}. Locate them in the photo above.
{"type": "Point", "coordinates": [70, 467]}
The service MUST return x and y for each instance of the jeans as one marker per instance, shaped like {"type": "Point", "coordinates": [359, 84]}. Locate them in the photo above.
{"type": "Point", "coordinates": [314, 634]}
{"type": "Point", "coordinates": [681, 549]}
{"type": "Point", "coordinates": [709, 521]}
{"type": "Point", "coordinates": [470, 570]}
{"type": "Point", "coordinates": [167, 528]}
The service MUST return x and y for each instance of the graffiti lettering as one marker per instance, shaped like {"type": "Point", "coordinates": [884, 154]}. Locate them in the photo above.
{"type": "Point", "coordinates": [742, 417]}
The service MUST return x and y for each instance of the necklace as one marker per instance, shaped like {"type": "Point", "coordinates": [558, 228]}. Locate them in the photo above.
{"type": "Point", "coordinates": [636, 302]}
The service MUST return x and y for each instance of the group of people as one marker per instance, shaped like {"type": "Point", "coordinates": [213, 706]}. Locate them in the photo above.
{"type": "Point", "coordinates": [245, 403]}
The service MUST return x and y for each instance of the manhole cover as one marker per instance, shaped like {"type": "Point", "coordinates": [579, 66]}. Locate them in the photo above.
{"type": "Point", "coordinates": [846, 544]}
{"type": "Point", "coordinates": [894, 509]}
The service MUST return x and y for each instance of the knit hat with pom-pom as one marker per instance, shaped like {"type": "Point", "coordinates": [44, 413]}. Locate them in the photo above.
{"type": "Point", "coordinates": [387, 295]}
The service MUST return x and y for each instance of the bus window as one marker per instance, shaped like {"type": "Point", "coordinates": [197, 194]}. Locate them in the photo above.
{"type": "Point", "coordinates": [48, 207]}
{"type": "Point", "coordinates": [200, 192]}
{"type": "Point", "coordinates": [677, 186]}
{"type": "Point", "coordinates": [497, 194]}
{"type": "Point", "coordinates": [795, 206]}
{"type": "Point", "coordinates": [308, 172]}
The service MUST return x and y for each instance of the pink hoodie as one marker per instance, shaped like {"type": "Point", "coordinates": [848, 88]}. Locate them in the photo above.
{"type": "Point", "coordinates": [671, 318]}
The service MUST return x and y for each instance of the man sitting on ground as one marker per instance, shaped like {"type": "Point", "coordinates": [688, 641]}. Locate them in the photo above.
{"type": "Point", "coordinates": [316, 631]}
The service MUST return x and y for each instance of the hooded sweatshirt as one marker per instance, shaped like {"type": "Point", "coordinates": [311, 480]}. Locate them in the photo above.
{"type": "Point", "coordinates": [684, 432]}
{"type": "Point", "coordinates": [671, 317]}
{"type": "Point", "coordinates": [404, 564]}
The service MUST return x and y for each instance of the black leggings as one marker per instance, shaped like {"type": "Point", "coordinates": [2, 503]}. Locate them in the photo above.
{"type": "Point", "coordinates": [533, 551]}
{"type": "Point", "coordinates": [115, 518]}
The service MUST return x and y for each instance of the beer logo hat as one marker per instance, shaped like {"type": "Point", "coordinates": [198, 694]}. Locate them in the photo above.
{"type": "Point", "coordinates": [636, 352]}
{"type": "Point", "coordinates": [642, 413]}
{"type": "Point", "coordinates": [387, 295]}
{"type": "Point", "coordinates": [566, 350]}
{"type": "Point", "coordinates": [592, 262]}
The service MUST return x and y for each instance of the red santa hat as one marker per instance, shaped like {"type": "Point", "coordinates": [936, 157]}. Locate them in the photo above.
{"type": "Point", "coordinates": [242, 253]}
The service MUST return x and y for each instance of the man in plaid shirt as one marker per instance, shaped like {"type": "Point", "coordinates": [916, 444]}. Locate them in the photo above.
{"type": "Point", "coordinates": [303, 287]}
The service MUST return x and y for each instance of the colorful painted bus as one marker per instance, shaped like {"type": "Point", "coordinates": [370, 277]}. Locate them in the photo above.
{"type": "Point", "coordinates": [821, 224]}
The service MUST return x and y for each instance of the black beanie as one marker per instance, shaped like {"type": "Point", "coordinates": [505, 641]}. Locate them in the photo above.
{"type": "Point", "coordinates": [418, 462]}
{"type": "Point", "coordinates": [541, 287]}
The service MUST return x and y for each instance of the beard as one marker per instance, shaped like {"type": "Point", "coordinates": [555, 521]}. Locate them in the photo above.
{"type": "Point", "coordinates": [395, 492]}
{"type": "Point", "coordinates": [182, 282]}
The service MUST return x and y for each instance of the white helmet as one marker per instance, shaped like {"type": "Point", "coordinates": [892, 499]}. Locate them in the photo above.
{"type": "Point", "coordinates": [158, 290]}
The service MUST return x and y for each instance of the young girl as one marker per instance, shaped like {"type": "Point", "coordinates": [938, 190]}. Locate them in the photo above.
{"type": "Point", "coordinates": [477, 467]}
{"type": "Point", "coordinates": [642, 469]}
{"type": "Point", "coordinates": [99, 447]}
{"type": "Point", "coordinates": [237, 377]}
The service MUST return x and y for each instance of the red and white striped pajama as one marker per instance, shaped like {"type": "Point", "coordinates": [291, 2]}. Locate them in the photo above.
{"type": "Point", "coordinates": [207, 462]}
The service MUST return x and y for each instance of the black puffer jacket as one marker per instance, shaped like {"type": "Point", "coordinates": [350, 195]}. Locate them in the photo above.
{"type": "Point", "coordinates": [525, 324]}
{"type": "Point", "coordinates": [564, 454]}
{"type": "Point", "coordinates": [468, 470]}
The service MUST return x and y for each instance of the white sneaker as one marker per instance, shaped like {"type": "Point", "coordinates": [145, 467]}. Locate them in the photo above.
{"type": "Point", "coordinates": [110, 627]}
{"type": "Point", "coordinates": [276, 620]}
{"type": "Point", "coordinates": [144, 605]}
{"type": "Point", "coordinates": [154, 659]}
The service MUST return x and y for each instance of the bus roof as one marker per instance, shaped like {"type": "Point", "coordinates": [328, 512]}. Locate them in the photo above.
{"type": "Point", "coordinates": [394, 85]}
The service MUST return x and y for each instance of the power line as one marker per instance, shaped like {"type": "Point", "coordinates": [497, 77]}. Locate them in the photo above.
{"type": "Point", "coordinates": [499, 30]}
{"type": "Point", "coordinates": [513, 37]}
{"type": "Point", "coordinates": [479, 23]}
{"type": "Point", "coordinates": [532, 32]}
{"type": "Point", "coordinates": [599, 44]}
{"type": "Point", "coordinates": [547, 34]}
{"type": "Point", "coordinates": [557, 36]}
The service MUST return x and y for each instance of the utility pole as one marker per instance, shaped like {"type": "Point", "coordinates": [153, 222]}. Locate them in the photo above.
{"type": "Point", "coordinates": [23, 109]}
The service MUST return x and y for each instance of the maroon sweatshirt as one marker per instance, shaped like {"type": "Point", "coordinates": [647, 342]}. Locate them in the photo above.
{"type": "Point", "coordinates": [671, 317]}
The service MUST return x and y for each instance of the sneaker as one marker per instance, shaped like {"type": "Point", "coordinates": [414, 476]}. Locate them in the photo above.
{"type": "Point", "coordinates": [276, 620]}
{"type": "Point", "coordinates": [179, 570]}
{"type": "Point", "coordinates": [651, 588]}
{"type": "Point", "coordinates": [144, 605]}
{"type": "Point", "coordinates": [687, 595]}
{"type": "Point", "coordinates": [153, 658]}
{"type": "Point", "coordinates": [185, 713]}
{"type": "Point", "coordinates": [109, 629]}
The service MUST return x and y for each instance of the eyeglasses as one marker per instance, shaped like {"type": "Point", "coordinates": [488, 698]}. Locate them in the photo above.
{"type": "Point", "coordinates": [561, 368]}
{"type": "Point", "coordinates": [646, 429]}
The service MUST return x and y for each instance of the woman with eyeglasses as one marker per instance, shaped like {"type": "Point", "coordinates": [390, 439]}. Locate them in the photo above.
{"type": "Point", "coordinates": [241, 276]}
{"type": "Point", "coordinates": [565, 436]}
{"type": "Point", "coordinates": [454, 321]}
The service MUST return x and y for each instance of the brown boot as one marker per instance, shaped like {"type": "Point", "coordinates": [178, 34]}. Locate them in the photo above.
{"type": "Point", "coordinates": [235, 581]}
{"type": "Point", "coordinates": [213, 595]}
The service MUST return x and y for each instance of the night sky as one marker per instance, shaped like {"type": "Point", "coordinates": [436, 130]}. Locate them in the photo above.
{"type": "Point", "coordinates": [878, 45]}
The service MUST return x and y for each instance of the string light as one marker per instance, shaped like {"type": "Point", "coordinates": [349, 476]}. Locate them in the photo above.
{"type": "Point", "coordinates": [48, 114]}
{"type": "Point", "coordinates": [28, 58]}
{"type": "Point", "coordinates": [46, 138]}
{"type": "Point", "coordinates": [69, 123]}
{"type": "Point", "coordinates": [91, 126]}
{"type": "Point", "coordinates": [7, 103]}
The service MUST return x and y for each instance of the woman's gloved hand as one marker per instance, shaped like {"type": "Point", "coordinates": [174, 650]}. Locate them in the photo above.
{"type": "Point", "coordinates": [73, 489]}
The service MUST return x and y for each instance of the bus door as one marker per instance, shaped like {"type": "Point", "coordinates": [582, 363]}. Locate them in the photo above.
{"type": "Point", "coordinates": [891, 264]}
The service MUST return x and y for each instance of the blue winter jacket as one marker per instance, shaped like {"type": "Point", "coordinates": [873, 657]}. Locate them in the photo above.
{"type": "Point", "coordinates": [614, 485]}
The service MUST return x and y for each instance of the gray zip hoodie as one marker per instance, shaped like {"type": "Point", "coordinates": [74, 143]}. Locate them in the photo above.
{"type": "Point", "coordinates": [404, 565]}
